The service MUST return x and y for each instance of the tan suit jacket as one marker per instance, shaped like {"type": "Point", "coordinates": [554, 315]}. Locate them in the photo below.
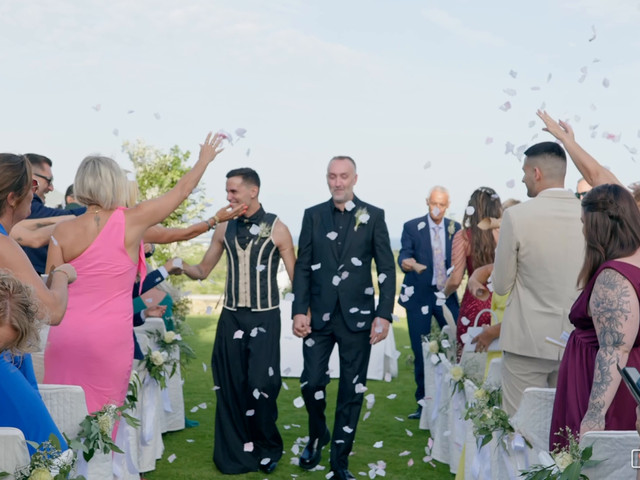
{"type": "Point", "coordinates": [538, 258]}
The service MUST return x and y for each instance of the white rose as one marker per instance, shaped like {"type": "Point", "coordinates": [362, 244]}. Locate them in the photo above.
{"type": "Point", "coordinates": [41, 473]}
{"type": "Point", "coordinates": [456, 373]}
{"type": "Point", "coordinates": [157, 358]}
{"type": "Point", "coordinates": [433, 346]}
{"type": "Point", "coordinates": [563, 460]}
{"type": "Point", "coordinates": [106, 424]}
{"type": "Point", "coordinates": [364, 218]}
{"type": "Point", "coordinates": [480, 394]}
{"type": "Point", "coordinates": [169, 337]}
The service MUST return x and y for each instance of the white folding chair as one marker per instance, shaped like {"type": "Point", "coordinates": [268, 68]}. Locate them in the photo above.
{"type": "Point", "coordinates": [440, 413]}
{"type": "Point", "coordinates": [14, 453]}
{"type": "Point", "coordinates": [614, 447]}
{"type": "Point", "coordinates": [533, 418]}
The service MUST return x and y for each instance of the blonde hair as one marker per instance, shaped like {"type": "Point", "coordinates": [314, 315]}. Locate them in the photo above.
{"type": "Point", "coordinates": [133, 192]}
{"type": "Point", "coordinates": [19, 309]}
{"type": "Point", "coordinates": [100, 181]}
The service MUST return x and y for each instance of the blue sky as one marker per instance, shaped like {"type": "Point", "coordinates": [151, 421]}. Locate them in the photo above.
{"type": "Point", "coordinates": [399, 86]}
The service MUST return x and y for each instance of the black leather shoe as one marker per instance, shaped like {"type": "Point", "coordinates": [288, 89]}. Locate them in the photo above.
{"type": "Point", "coordinates": [312, 453]}
{"type": "Point", "coordinates": [268, 467]}
{"type": "Point", "coordinates": [415, 415]}
{"type": "Point", "coordinates": [343, 475]}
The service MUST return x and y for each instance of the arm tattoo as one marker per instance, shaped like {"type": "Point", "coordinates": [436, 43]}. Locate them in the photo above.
{"type": "Point", "coordinates": [610, 310]}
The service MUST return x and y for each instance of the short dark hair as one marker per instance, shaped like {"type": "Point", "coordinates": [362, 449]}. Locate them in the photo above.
{"type": "Point", "coordinates": [546, 148]}
{"type": "Point", "coordinates": [69, 192]}
{"type": "Point", "coordinates": [38, 160]}
{"type": "Point", "coordinates": [249, 175]}
{"type": "Point", "coordinates": [611, 227]}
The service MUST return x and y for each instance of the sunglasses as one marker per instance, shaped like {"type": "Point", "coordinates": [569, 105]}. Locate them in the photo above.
{"type": "Point", "coordinates": [579, 195]}
{"type": "Point", "coordinates": [48, 179]}
{"type": "Point", "coordinates": [34, 185]}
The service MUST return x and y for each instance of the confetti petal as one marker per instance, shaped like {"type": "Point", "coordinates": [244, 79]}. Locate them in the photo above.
{"type": "Point", "coordinates": [310, 342]}
{"type": "Point", "coordinates": [254, 230]}
{"type": "Point", "coordinates": [298, 402]}
{"type": "Point", "coordinates": [505, 107]}
{"type": "Point", "coordinates": [605, 83]}
{"type": "Point", "coordinates": [316, 266]}
{"type": "Point", "coordinates": [511, 183]}
{"type": "Point", "coordinates": [470, 210]}
{"type": "Point", "coordinates": [250, 413]}
{"type": "Point", "coordinates": [427, 165]}
{"type": "Point", "coordinates": [238, 334]}
{"type": "Point", "coordinates": [171, 458]}
{"type": "Point", "coordinates": [248, 447]}
{"type": "Point", "coordinates": [509, 91]}
{"type": "Point", "coordinates": [391, 396]}
{"type": "Point", "coordinates": [421, 225]}
{"type": "Point", "coordinates": [425, 309]}
{"type": "Point", "coordinates": [289, 297]}
{"type": "Point", "coordinates": [368, 291]}
{"type": "Point", "coordinates": [260, 268]}
{"type": "Point", "coordinates": [347, 429]}
{"type": "Point", "coordinates": [513, 73]}
{"type": "Point", "coordinates": [488, 140]}
{"type": "Point", "coordinates": [332, 235]}
{"type": "Point", "coordinates": [349, 206]}
{"type": "Point", "coordinates": [360, 388]}
{"type": "Point", "coordinates": [353, 309]}
{"type": "Point", "coordinates": [336, 280]}
{"type": "Point", "coordinates": [326, 317]}
{"type": "Point", "coordinates": [378, 444]}
{"type": "Point", "coordinates": [382, 277]}
{"type": "Point", "coordinates": [356, 261]}
{"type": "Point", "coordinates": [241, 132]}
{"type": "Point", "coordinates": [319, 395]}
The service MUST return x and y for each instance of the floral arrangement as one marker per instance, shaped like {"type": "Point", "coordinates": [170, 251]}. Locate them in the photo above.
{"type": "Point", "coordinates": [96, 428]}
{"type": "Point", "coordinates": [171, 343]}
{"type": "Point", "coordinates": [439, 346]}
{"type": "Point", "coordinates": [487, 415]}
{"type": "Point", "coordinates": [160, 366]}
{"type": "Point", "coordinates": [47, 463]}
{"type": "Point", "coordinates": [362, 217]}
{"type": "Point", "coordinates": [565, 463]}
{"type": "Point", "coordinates": [458, 377]}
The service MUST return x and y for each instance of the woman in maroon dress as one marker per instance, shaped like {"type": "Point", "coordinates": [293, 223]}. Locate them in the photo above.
{"type": "Point", "coordinates": [590, 395]}
{"type": "Point", "coordinates": [473, 248]}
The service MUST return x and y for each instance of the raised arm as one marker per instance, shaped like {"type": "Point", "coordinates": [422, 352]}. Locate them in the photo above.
{"type": "Point", "coordinates": [594, 173]}
{"type": "Point", "coordinates": [459, 252]}
{"type": "Point", "coordinates": [35, 232]}
{"type": "Point", "coordinates": [153, 211]}
{"type": "Point", "coordinates": [161, 235]}
{"type": "Point", "coordinates": [614, 308]}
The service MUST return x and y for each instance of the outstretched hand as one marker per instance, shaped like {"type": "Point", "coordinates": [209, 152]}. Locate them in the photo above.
{"type": "Point", "coordinates": [227, 213]}
{"type": "Point", "coordinates": [211, 147]}
{"type": "Point", "coordinates": [561, 130]}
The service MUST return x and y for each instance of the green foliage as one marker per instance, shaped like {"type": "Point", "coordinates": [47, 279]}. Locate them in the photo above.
{"type": "Point", "coordinates": [157, 172]}
{"type": "Point", "coordinates": [160, 366]}
{"type": "Point", "coordinates": [487, 415]}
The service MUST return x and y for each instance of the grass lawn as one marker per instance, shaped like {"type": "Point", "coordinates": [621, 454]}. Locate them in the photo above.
{"type": "Point", "coordinates": [387, 423]}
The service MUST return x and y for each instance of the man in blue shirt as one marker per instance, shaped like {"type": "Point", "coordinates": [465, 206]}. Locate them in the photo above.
{"type": "Point", "coordinates": [41, 171]}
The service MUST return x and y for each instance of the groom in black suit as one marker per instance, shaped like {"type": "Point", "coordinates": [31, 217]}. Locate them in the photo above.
{"type": "Point", "coordinates": [333, 282]}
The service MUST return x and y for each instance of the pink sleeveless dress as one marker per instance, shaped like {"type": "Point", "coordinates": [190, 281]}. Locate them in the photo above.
{"type": "Point", "coordinates": [93, 346]}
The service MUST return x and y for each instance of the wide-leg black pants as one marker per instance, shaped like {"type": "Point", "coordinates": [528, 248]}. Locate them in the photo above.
{"type": "Point", "coordinates": [246, 368]}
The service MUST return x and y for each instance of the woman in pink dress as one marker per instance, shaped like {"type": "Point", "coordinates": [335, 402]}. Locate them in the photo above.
{"type": "Point", "coordinates": [473, 248]}
{"type": "Point", "coordinates": [93, 347]}
{"type": "Point", "coordinates": [606, 315]}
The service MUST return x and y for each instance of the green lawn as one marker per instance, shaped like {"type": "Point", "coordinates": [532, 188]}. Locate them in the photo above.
{"type": "Point", "coordinates": [193, 446]}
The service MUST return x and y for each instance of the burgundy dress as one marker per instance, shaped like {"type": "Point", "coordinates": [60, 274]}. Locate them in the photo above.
{"type": "Point", "coordinates": [577, 367]}
{"type": "Point", "coordinates": [470, 307]}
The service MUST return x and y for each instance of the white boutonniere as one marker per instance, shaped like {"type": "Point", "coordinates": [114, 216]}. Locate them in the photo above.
{"type": "Point", "coordinates": [263, 230]}
{"type": "Point", "coordinates": [451, 229]}
{"type": "Point", "coordinates": [362, 216]}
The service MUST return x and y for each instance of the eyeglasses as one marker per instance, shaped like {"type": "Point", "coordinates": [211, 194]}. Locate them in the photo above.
{"type": "Point", "coordinates": [34, 185]}
{"type": "Point", "coordinates": [579, 195]}
{"type": "Point", "coordinates": [48, 179]}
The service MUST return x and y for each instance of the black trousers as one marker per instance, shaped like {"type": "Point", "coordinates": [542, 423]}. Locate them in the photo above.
{"type": "Point", "coordinates": [243, 369]}
{"type": "Point", "coordinates": [354, 349]}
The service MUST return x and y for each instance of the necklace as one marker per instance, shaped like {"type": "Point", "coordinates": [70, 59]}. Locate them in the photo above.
{"type": "Point", "coordinates": [95, 212]}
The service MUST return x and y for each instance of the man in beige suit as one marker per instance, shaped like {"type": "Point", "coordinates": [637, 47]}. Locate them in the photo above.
{"type": "Point", "coordinates": [539, 255]}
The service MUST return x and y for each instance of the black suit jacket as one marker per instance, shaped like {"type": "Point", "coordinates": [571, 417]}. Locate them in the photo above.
{"type": "Point", "coordinates": [319, 268]}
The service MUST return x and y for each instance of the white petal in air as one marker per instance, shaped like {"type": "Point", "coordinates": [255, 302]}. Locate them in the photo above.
{"type": "Point", "coordinates": [347, 429]}
{"type": "Point", "coordinates": [332, 235]}
{"type": "Point", "coordinates": [410, 290]}
{"type": "Point", "coordinates": [344, 275]}
{"type": "Point", "coordinates": [336, 280]}
{"type": "Point", "coordinates": [508, 148]}
{"type": "Point", "coordinates": [356, 261]}
{"type": "Point", "coordinates": [427, 165]}
{"type": "Point", "coordinates": [425, 309]}
{"type": "Point", "coordinates": [254, 230]}
{"type": "Point", "coordinates": [353, 309]}
{"type": "Point", "coordinates": [319, 395]}
{"type": "Point", "coordinates": [465, 321]}
{"type": "Point", "coordinates": [241, 132]}
{"type": "Point", "coordinates": [289, 297]}
{"type": "Point", "coordinates": [505, 107]}
{"type": "Point", "coordinates": [360, 324]}
{"type": "Point", "coordinates": [488, 140]}
{"type": "Point", "coordinates": [238, 334]}
{"type": "Point", "coordinates": [256, 393]}
{"type": "Point", "coordinates": [254, 332]}
{"type": "Point", "coordinates": [316, 266]}
{"type": "Point", "coordinates": [326, 317]}
{"type": "Point", "coordinates": [470, 210]}
{"type": "Point", "coordinates": [157, 115]}
{"type": "Point", "coordinates": [392, 396]}
{"type": "Point", "coordinates": [593, 37]}
{"type": "Point", "coordinates": [349, 206]}
{"type": "Point", "coordinates": [421, 225]}
{"type": "Point", "coordinates": [298, 402]}
{"type": "Point", "coordinates": [171, 458]}
{"type": "Point", "coordinates": [382, 277]}
{"type": "Point", "coordinates": [260, 268]}
{"type": "Point", "coordinates": [360, 388]}
{"type": "Point", "coordinates": [510, 91]}
{"type": "Point", "coordinates": [310, 342]}
{"type": "Point", "coordinates": [511, 183]}
{"type": "Point", "coordinates": [605, 83]}
{"type": "Point", "coordinates": [513, 73]}
{"type": "Point", "coordinates": [115, 132]}
{"type": "Point", "coordinates": [248, 447]}
{"type": "Point", "coordinates": [270, 371]}
{"type": "Point", "coordinates": [368, 291]}
{"type": "Point", "coordinates": [378, 444]}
